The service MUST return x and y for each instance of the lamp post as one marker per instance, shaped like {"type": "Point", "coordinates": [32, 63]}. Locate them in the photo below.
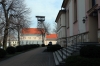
{"type": "Point", "coordinates": [84, 19]}
{"type": "Point", "coordinates": [40, 20]}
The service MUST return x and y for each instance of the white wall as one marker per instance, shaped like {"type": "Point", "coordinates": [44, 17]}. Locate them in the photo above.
{"type": "Point", "coordinates": [81, 14]}
{"type": "Point", "coordinates": [13, 43]}
{"type": "Point", "coordinates": [70, 7]}
{"type": "Point", "coordinates": [61, 28]}
{"type": "Point", "coordinates": [47, 42]}
{"type": "Point", "coordinates": [31, 38]}
{"type": "Point", "coordinates": [63, 19]}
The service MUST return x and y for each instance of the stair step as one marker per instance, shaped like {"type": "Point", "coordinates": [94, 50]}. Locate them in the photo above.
{"type": "Point", "coordinates": [69, 51]}
{"type": "Point", "coordinates": [58, 56]}
{"type": "Point", "coordinates": [70, 48]}
{"type": "Point", "coordinates": [59, 51]}
{"type": "Point", "coordinates": [73, 48]}
{"type": "Point", "coordinates": [66, 54]}
{"type": "Point", "coordinates": [62, 55]}
{"type": "Point", "coordinates": [56, 60]}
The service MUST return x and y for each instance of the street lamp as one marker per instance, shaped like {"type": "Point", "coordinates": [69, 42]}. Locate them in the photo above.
{"type": "Point", "coordinates": [84, 19]}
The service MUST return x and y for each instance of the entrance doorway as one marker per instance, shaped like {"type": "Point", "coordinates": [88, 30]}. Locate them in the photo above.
{"type": "Point", "coordinates": [93, 28]}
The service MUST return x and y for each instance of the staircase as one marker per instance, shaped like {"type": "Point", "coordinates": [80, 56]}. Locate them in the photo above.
{"type": "Point", "coordinates": [62, 54]}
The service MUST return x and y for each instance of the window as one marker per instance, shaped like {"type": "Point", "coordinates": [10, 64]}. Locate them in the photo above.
{"type": "Point", "coordinates": [75, 10]}
{"type": "Point", "coordinates": [39, 37]}
{"type": "Point", "coordinates": [29, 37]}
{"type": "Point", "coordinates": [60, 21]}
{"type": "Point", "coordinates": [92, 3]}
{"type": "Point", "coordinates": [34, 37]}
{"type": "Point", "coordinates": [24, 37]}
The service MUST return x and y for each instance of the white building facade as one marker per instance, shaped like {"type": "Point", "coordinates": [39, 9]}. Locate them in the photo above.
{"type": "Point", "coordinates": [61, 28]}
{"type": "Point", "coordinates": [34, 36]}
{"type": "Point", "coordinates": [75, 29]}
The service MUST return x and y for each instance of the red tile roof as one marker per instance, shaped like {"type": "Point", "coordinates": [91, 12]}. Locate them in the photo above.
{"type": "Point", "coordinates": [31, 31]}
{"type": "Point", "coordinates": [51, 36]}
{"type": "Point", "coordinates": [37, 31]}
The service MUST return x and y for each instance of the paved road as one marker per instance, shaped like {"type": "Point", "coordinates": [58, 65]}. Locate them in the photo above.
{"type": "Point", "coordinates": [34, 57]}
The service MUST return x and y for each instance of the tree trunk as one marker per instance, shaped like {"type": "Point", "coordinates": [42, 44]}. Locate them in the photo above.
{"type": "Point", "coordinates": [18, 35]}
{"type": "Point", "coordinates": [5, 38]}
{"type": "Point", "coordinates": [6, 27]}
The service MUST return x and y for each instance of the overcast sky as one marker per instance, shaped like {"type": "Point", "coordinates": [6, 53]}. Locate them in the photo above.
{"type": "Point", "coordinates": [47, 8]}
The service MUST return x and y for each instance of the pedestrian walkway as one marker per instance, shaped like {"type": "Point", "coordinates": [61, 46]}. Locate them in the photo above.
{"type": "Point", "coordinates": [34, 57]}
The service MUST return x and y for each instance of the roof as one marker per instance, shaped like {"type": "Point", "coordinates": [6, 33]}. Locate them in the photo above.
{"type": "Point", "coordinates": [64, 3]}
{"type": "Point", "coordinates": [59, 14]}
{"type": "Point", "coordinates": [32, 31]}
{"type": "Point", "coordinates": [51, 36]}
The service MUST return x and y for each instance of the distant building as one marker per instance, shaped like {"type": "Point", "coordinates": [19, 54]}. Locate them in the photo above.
{"type": "Point", "coordinates": [12, 41]}
{"type": "Point", "coordinates": [31, 36]}
{"type": "Point", "coordinates": [51, 38]}
{"type": "Point", "coordinates": [34, 36]}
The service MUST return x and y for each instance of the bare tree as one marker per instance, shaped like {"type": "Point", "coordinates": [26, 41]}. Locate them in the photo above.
{"type": "Point", "coordinates": [10, 10]}
{"type": "Point", "coordinates": [47, 27]}
{"type": "Point", "coordinates": [55, 28]}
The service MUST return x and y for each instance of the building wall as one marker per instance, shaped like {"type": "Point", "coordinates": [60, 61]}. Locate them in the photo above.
{"type": "Point", "coordinates": [92, 23]}
{"type": "Point", "coordinates": [70, 7]}
{"type": "Point", "coordinates": [70, 27]}
{"type": "Point", "coordinates": [63, 19]}
{"type": "Point", "coordinates": [88, 31]}
{"type": "Point", "coordinates": [31, 39]}
{"type": "Point", "coordinates": [12, 43]}
{"type": "Point", "coordinates": [53, 42]}
{"type": "Point", "coordinates": [35, 37]}
{"type": "Point", "coordinates": [61, 29]}
{"type": "Point", "coordinates": [86, 9]}
{"type": "Point", "coordinates": [98, 2]}
{"type": "Point", "coordinates": [81, 14]}
{"type": "Point", "coordinates": [78, 26]}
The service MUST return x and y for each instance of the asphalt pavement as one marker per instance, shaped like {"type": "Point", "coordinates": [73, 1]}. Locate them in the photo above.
{"type": "Point", "coordinates": [35, 57]}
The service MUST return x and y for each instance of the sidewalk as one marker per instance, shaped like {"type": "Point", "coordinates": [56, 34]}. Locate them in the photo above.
{"type": "Point", "coordinates": [34, 57]}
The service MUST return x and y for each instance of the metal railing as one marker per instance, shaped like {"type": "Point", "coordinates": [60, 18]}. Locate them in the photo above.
{"type": "Point", "coordinates": [75, 41]}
